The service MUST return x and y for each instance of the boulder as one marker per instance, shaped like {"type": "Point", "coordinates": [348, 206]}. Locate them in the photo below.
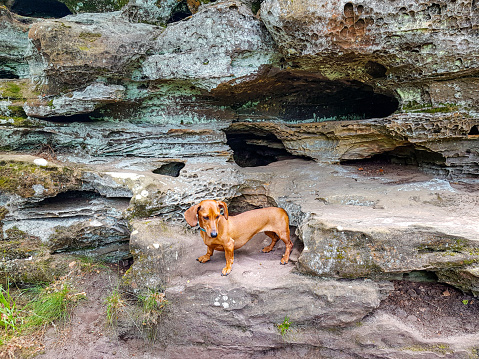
{"type": "Point", "coordinates": [150, 11]}
{"type": "Point", "coordinates": [222, 43]}
{"type": "Point", "coordinates": [13, 46]}
{"type": "Point", "coordinates": [69, 54]}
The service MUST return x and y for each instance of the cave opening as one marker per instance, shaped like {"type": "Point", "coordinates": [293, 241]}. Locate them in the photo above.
{"type": "Point", "coordinates": [421, 276]}
{"type": "Point", "coordinates": [78, 198]}
{"type": "Point", "coordinates": [40, 8]}
{"type": "Point", "coordinates": [171, 169]}
{"type": "Point", "coordinates": [474, 131]}
{"type": "Point", "coordinates": [8, 74]}
{"type": "Point", "coordinates": [307, 97]}
{"type": "Point", "coordinates": [408, 155]}
{"type": "Point", "coordinates": [81, 117]}
{"type": "Point", "coordinates": [253, 147]}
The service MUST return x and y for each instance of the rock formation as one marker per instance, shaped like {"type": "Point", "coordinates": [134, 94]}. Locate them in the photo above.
{"type": "Point", "coordinates": [361, 120]}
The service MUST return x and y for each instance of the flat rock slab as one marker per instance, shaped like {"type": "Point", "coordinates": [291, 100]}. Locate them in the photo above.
{"type": "Point", "coordinates": [250, 302]}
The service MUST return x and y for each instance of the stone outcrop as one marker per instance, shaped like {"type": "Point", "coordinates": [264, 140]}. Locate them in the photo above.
{"type": "Point", "coordinates": [13, 46]}
{"type": "Point", "coordinates": [393, 45]}
{"type": "Point", "coordinates": [238, 44]}
{"type": "Point", "coordinates": [360, 120]}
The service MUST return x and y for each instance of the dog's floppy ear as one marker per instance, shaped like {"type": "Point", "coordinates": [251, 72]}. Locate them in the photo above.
{"type": "Point", "coordinates": [191, 215]}
{"type": "Point", "coordinates": [223, 205]}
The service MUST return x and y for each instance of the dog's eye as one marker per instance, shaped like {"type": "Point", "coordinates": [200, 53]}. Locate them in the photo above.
{"type": "Point", "coordinates": [217, 217]}
{"type": "Point", "coordinates": [206, 218]}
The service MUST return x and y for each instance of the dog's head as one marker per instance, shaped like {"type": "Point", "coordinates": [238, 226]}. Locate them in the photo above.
{"type": "Point", "coordinates": [207, 214]}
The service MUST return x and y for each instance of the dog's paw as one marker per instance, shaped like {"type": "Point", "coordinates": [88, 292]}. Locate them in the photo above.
{"type": "Point", "coordinates": [203, 259]}
{"type": "Point", "coordinates": [225, 272]}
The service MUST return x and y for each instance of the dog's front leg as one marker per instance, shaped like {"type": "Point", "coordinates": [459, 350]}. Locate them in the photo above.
{"type": "Point", "coordinates": [229, 255]}
{"type": "Point", "coordinates": [207, 256]}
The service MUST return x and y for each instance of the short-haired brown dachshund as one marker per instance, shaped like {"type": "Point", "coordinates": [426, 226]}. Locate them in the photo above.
{"type": "Point", "coordinates": [226, 233]}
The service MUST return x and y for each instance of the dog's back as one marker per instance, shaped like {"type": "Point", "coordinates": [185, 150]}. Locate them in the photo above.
{"type": "Point", "coordinates": [245, 225]}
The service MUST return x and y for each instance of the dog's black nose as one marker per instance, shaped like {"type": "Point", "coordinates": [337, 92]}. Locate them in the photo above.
{"type": "Point", "coordinates": [214, 234]}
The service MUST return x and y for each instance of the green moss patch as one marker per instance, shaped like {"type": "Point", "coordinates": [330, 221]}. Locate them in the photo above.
{"type": "Point", "coordinates": [19, 245]}
{"type": "Point", "coordinates": [94, 5]}
{"type": "Point", "coordinates": [25, 179]}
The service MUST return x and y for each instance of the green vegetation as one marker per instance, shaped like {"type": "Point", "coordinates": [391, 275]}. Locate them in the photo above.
{"type": "Point", "coordinates": [436, 348]}
{"type": "Point", "coordinates": [143, 309]}
{"type": "Point", "coordinates": [89, 36]}
{"type": "Point", "coordinates": [114, 305]}
{"type": "Point", "coordinates": [415, 107]}
{"type": "Point", "coordinates": [10, 315]}
{"type": "Point", "coordinates": [284, 327]}
{"type": "Point", "coordinates": [20, 177]}
{"type": "Point", "coordinates": [27, 312]}
{"type": "Point", "coordinates": [11, 90]}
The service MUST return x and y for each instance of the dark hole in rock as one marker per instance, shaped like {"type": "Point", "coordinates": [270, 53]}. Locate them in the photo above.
{"type": "Point", "coordinates": [253, 147]}
{"type": "Point", "coordinates": [376, 70]}
{"type": "Point", "coordinates": [349, 10]}
{"type": "Point", "coordinates": [65, 201]}
{"type": "Point", "coordinates": [421, 276]}
{"type": "Point", "coordinates": [474, 131]}
{"type": "Point", "coordinates": [40, 8]}
{"type": "Point", "coordinates": [247, 202]}
{"type": "Point", "coordinates": [71, 199]}
{"type": "Point", "coordinates": [170, 169]}
{"type": "Point", "coordinates": [180, 12]}
{"type": "Point", "coordinates": [256, 5]}
{"type": "Point", "coordinates": [8, 74]}
{"type": "Point", "coordinates": [410, 156]}
{"type": "Point", "coordinates": [82, 117]}
{"type": "Point", "coordinates": [300, 97]}
{"type": "Point", "coordinates": [434, 9]}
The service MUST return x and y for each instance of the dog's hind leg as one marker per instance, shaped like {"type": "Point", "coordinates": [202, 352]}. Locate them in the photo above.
{"type": "Point", "coordinates": [274, 238]}
{"type": "Point", "coordinates": [284, 236]}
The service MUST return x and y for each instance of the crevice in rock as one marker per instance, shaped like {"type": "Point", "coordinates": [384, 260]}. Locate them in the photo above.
{"type": "Point", "coordinates": [420, 276]}
{"type": "Point", "coordinates": [68, 196]}
{"type": "Point", "coordinates": [75, 203]}
{"type": "Point", "coordinates": [409, 155]}
{"type": "Point", "coordinates": [172, 169]}
{"type": "Point", "coordinates": [376, 70]}
{"type": "Point", "coordinates": [82, 117]}
{"type": "Point", "coordinates": [256, 5]}
{"type": "Point", "coordinates": [248, 202]}
{"type": "Point", "coordinates": [474, 131]}
{"type": "Point", "coordinates": [40, 8]}
{"type": "Point", "coordinates": [180, 12]}
{"type": "Point", "coordinates": [306, 97]}
{"type": "Point", "coordinates": [8, 74]}
{"type": "Point", "coordinates": [253, 147]}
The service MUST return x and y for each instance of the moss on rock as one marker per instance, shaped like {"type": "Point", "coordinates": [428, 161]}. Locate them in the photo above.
{"type": "Point", "coordinates": [42, 269]}
{"type": "Point", "coordinates": [94, 5]}
{"type": "Point", "coordinates": [26, 179]}
{"type": "Point", "coordinates": [19, 245]}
